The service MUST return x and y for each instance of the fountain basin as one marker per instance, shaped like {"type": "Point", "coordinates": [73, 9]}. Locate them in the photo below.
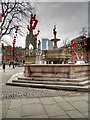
{"type": "Point", "coordinates": [57, 70]}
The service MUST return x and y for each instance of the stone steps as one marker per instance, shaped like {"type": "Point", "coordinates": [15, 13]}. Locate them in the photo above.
{"type": "Point", "coordinates": [54, 79]}
{"type": "Point", "coordinates": [83, 83]}
{"type": "Point", "coordinates": [79, 84]}
{"type": "Point", "coordinates": [57, 87]}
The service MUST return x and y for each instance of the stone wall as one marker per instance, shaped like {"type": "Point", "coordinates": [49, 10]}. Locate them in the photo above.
{"type": "Point", "coordinates": [56, 70]}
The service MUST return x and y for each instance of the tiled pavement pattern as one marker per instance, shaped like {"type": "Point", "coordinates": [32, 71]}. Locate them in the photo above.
{"type": "Point", "coordinates": [48, 107]}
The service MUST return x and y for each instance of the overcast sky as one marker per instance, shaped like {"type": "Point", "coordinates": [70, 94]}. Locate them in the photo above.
{"type": "Point", "coordinates": [69, 18]}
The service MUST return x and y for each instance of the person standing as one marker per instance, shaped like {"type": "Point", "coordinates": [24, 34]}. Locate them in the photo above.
{"type": "Point", "coordinates": [9, 64]}
{"type": "Point", "coordinates": [4, 67]}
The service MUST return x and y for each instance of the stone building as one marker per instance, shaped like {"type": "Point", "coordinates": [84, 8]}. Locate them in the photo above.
{"type": "Point", "coordinates": [84, 49]}
{"type": "Point", "coordinates": [7, 55]}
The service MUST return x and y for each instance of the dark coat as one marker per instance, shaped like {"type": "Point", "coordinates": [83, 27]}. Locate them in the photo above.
{"type": "Point", "coordinates": [3, 66]}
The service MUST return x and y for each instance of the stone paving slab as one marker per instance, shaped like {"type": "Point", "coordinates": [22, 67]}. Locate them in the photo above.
{"type": "Point", "coordinates": [59, 99]}
{"type": "Point", "coordinates": [14, 113]}
{"type": "Point", "coordinates": [15, 104]}
{"type": "Point", "coordinates": [80, 105]}
{"type": "Point", "coordinates": [49, 100]}
{"type": "Point", "coordinates": [54, 110]}
{"type": "Point", "coordinates": [33, 110]}
{"type": "Point", "coordinates": [86, 114]}
{"type": "Point", "coordinates": [0, 110]}
{"type": "Point", "coordinates": [72, 99]}
{"type": "Point", "coordinates": [30, 101]}
{"type": "Point", "coordinates": [50, 107]}
{"type": "Point", "coordinates": [75, 114]}
{"type": "Point", "coordinates": [5, 106]}
{"type": "Point", "coordinates": [86, 98]}
{"type": "Point", "coordinates": [66, 106]}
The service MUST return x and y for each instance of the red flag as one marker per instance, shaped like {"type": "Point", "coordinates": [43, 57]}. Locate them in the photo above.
{"type": "Point", "coordinates": [31, 16]}
{"type": "Point", "coordinates": [85, 43]}
{"type": "Point", "coordinates": [11, 49]}
{"type": "Point", "coordinates": [3, 46]}
{"type": "Point", "coordinates": [74, 44]}
{"type": "Point", "coordinates": [1, 16]}
{"type": "Point", "coordinates": [34, 17]}
{"type": "Point", "coordinates": [6, 58]}
{"type": "Point", "coordinates": [33, 27]}
{"type": "Point", "coordinates": [35, 36]}
{"type": "Point", "coordinates": [14, 41]}
{"type": "Point", "coordinates": [31, 21]}
{"type": "Point", "coordinates": [2, 56]}
{"type": "Point", "coordinates": [14, 37]}
{"type": "Point", "coordinates": [81, 53]}
{"type": "Point", "coordinates": [73, 54]}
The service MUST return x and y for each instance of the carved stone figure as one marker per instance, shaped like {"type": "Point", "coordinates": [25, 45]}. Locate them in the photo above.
{"type": "Point", "coordinates": [39, 44]}
{"type": "Point", "coordinates": [54, 31]}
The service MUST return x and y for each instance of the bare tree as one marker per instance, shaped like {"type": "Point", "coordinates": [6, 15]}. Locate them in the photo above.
{"type": "Point", "coordinates": [15, 14]}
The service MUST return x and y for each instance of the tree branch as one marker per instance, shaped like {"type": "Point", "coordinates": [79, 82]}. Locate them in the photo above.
{"type": "Point", "coordinates": [17, 12]}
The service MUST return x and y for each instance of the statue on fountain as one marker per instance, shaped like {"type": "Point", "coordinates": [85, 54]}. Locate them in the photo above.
{"type": "Point", "coordinates": [54, 31]}
{"type": "Point", "coordinates": [55, 40]}
{"type": "Point", "coordinates": [39, 45]}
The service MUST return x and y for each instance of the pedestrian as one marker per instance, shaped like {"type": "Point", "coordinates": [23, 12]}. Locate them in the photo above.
{"type": "Point", "coordinates": [9, 64]}
{"type": "Point", "coordinates": [4, 67]}
{"type": "Point", "coordinates": [23, 61]}
{"type": "Point", "coordinates": [13, 64]}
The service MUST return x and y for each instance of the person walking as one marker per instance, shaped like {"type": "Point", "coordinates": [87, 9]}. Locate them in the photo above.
{"type": "Point", "coordinates": [4, 67]}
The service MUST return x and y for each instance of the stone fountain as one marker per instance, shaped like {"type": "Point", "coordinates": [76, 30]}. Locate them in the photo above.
{"type": "Point", "coordinates": [56, 56]}
{"type": "Point", "coordinates": [54, 76]}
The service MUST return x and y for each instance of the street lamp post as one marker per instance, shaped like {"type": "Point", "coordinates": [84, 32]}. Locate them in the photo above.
{"type": "Point", "coordinates": [13, 54]}
{"type": "Point", "coordinates": [14, 49]}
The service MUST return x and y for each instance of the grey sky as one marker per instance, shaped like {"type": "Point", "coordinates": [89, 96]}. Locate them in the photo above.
{"type": "Point", "coordinates": [69, 17]}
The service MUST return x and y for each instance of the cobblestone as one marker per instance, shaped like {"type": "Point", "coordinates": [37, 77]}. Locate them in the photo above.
{"type": "Point", "coordinates": [22, 92]}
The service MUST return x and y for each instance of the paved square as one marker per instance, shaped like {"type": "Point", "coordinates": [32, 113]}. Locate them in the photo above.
{"type": "Point", "coordinates": [48, 107]}
{"type": "Point", "coordinates": [32, 110]}
{"type": "Point", "coordinates": [75, 114]}
{"type": "Point", "coordinates": [47, 100]}
{"type": "Point", "coordinates": [54, 110]}
{"type": "Point", "coordinates": [66, 106]}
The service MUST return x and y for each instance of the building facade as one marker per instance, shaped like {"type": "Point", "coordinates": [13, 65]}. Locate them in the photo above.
{"type": "Point", "coordinates": [47, 44]}
{"type": "Point", "coordinates": [83, 51]}
{"type": "Point", "coordinates": [7, 55]}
